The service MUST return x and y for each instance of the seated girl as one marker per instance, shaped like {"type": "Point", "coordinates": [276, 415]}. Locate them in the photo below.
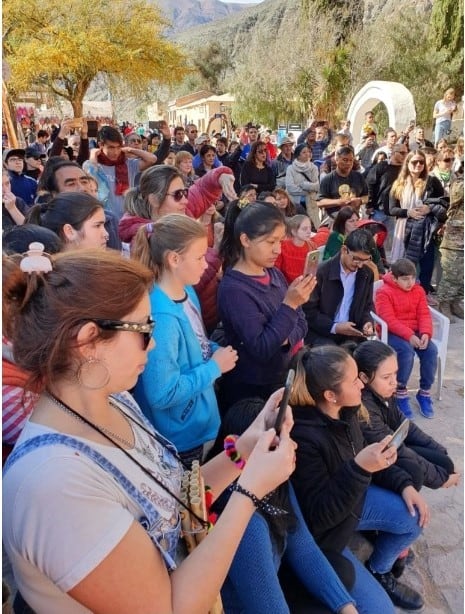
{"type": "Point", "coordinates": [343, 485]}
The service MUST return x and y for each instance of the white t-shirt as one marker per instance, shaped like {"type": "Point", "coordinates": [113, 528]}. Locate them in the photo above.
{"type": "Point", "coordinates": [444, 105]}
{"type": "Point", "coordinates": [63, 513]}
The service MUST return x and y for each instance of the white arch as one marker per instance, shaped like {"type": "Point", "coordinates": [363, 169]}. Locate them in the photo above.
{"type": "Point", "coordinates": [396, 97]}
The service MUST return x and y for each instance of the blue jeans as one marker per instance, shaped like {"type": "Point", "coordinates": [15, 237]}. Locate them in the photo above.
{"type": "Point", "coordinates": [441, 130]}
{"type": "Point", "coordinates": [252, 585]}
{"type": "Point", "coordinates": [405, 356]}
{"type": "Point", "coordinates": [386, 512]}
{"type": "Point", "coordinates": [368, 593]}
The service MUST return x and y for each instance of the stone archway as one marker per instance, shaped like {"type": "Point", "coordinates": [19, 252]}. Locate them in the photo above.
{"type": "Point", "coordinates": [396, 98]}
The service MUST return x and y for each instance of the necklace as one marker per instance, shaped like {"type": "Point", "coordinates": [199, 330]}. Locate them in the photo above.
{"type": "Point", "coordinates": [142, 449]}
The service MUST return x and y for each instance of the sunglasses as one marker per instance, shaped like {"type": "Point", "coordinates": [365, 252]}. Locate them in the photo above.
{"type": "Point", "coordinates": [178, 195]}
{"type": "Point", "coordinates": [146, 330]}
{"type": "Point", "coordinates": [417, 162]}
{"type": "Point", "coordinates": [448, 159]}
{"type": "Point", "coordinates": [35, 156]}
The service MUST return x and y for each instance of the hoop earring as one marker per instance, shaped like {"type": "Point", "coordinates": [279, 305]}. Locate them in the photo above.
{"type": "Point", "coordinates": [93, 374]}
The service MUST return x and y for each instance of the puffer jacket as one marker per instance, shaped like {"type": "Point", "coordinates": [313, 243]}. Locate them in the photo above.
{"type": "Point", "coordinates": [405, 312]}
{"type": "Point", "coordinates": [419, 233]}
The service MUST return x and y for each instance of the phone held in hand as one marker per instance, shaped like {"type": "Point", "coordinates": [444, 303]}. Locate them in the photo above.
{"type": "Point", "coordinates": [399, 435]}
{"type": "Point", "coordinates": [311, 263]}
{"type": "Point", "coordinates": [92, 128]}
{"type": "Point", "coordinates": [284, 401]}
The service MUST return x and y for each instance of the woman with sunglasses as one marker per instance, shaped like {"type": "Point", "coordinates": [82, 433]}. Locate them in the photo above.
{"type": "Point", "coordinates": [443, 169]}
{"type": "Point", "coordinates": [162, 191]}
{"type": "Point", "coordinates": [103, 532]}
{"type": "Point", "coordinates": [256, 169]}
{"type": "Point", "coordinates": [417, 221]}
{"type": "Point", "coordinates": [176, 390]}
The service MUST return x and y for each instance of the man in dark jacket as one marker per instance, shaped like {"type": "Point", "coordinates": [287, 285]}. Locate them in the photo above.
{"type": "Point", "coordinates": [339, 307]}
{"type": "Point", "coordinates": [22, 186]}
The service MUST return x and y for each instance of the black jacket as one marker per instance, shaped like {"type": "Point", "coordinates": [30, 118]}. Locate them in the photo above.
{"type": "Point", "coordinates": [379, 180]}
{"type": "Point", "coordinates": [329, 485]}
{"type": "Point", "coordinates": [327, 295]}
{"type": "Point", "coordinates": [385, 418]}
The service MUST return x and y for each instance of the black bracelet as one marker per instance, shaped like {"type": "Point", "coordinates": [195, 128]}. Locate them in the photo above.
{"type": "Point", "coordinates": [261, 504]}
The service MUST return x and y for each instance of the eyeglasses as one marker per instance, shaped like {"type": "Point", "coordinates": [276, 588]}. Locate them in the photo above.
{"type": "Point", "coordinates": [357, 259]}
{"type": "Point", "coordinates": [448, 159]}
{"type": "Point", "coordinates": [146, 330]}
{"type": "Point", "coordinates": [178, 195]}
{"type": "Point", "coordinates": [417, 162]}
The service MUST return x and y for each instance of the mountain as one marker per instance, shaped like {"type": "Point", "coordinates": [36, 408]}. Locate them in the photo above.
{"type": "Point", "coordinates": [185, 14]}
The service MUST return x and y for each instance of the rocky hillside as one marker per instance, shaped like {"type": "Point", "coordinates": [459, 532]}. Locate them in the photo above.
{"type": "Point", "coordinates": [185, 14]}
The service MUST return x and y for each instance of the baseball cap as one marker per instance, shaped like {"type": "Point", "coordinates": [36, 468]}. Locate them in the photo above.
{"type": "Point", "coordinates": [286, 141]}
{"type": "Point", "coordinates": [200, 140]}
{"type": "Point", "coordinates": [31, 152]}
{"type": "Point", "coordinates": [8, 153]}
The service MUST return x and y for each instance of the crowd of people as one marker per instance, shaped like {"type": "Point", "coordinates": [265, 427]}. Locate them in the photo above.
{"type": "Point", "coordinates": [198, 246]}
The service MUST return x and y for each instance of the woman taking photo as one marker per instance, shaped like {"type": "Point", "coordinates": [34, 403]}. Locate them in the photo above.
{"type": "Point", "coordinates": [417, 221]}
{"type": "Point", "coordinates": [342, 485]}
{"type": "Point", "coordinates": [256, 171]}
{"type": "Point", "coordinates": [104, 530]}
{"type": "Point", "coordinates": [261, 315]}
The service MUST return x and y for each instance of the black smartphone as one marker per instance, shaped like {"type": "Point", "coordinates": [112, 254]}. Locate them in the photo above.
{"type": "Point", "coordinates": [284, 401]}
{"type": "Point", "coordinates": [92, 128]}
{"type": "Point", "coordinates": [155, 125]}
{"type": "Point", "coordinates": [399, 435]}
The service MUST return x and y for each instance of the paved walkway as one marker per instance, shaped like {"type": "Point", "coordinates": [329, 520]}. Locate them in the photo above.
{"type": "Point", "coordinates": [438, 570]}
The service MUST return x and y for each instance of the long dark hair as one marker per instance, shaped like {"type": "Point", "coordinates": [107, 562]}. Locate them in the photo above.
{"type": "Point", "coordinates": [237, 419]}
{"type": "Point", "coordinates": [256, 220]}
{"type": "Point", "coordinates": [369, 355]}
{"type": "Point", "coordinates": [72, 208]}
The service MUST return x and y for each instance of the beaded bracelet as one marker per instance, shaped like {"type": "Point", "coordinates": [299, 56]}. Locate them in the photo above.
{"type": "Point", "coordinates": [231, 451]}
{"type": "Point", "coordinates": [260, 504]}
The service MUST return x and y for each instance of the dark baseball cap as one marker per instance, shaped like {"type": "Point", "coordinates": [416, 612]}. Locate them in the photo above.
{"type": "Point", "coordinates": [8, 153]}
{"type": "Point", "coordinates": [31, 152]}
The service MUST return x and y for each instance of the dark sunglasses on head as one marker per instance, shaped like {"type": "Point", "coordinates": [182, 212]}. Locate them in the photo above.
{"type": "Point", "coordinates": [146, 330]}
{"type": "Point", "coordinates": [178, 195]}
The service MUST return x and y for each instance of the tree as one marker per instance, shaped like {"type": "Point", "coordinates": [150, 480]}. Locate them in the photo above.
{"type": "Point", "coordinates": [64, 45]}
{"type": "Point", "coordinates": [212, 61]}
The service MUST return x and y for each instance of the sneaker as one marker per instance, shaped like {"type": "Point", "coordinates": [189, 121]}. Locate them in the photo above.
{"type": "Point", "coordinates": [400, 594]}
{"type": "Point", "coordinates": [426, 405]}
{"type": "Point", "coordinates": [403, 403]}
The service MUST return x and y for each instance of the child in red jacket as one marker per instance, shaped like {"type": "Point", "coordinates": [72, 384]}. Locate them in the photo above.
{"type": "Point", "coordinates": [401, 302]}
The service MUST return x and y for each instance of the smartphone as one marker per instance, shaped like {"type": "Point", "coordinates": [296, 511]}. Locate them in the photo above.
{"type": "Point", "coordinates": [284, 401]}
{"type": "Point", "coordinates": [311, 262]}
{"type": "Point", "coordinates": [92, 128]}
{"type": "Point", "coordinates": [412, 123]}
{"type": "Point", "coordinates": [399, 435]}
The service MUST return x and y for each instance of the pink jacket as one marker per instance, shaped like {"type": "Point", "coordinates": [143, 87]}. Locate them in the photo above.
{"type": "Point", "coordinates": [406, 313]}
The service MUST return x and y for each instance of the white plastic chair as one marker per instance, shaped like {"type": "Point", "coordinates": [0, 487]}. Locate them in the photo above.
{"type": "Point", "coordinates": [440, 337]}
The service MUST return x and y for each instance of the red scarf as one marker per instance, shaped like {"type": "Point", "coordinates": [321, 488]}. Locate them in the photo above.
{"type": "Point", "coordinates": [121, 171]}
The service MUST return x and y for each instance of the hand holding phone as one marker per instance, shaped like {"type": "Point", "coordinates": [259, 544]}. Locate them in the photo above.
{"type": "Point", "coordinates": [311, 263]}
{"type": "Point", "coordinates": [399, 435]}
{"type": "Point", "coordinates": [284, 401]}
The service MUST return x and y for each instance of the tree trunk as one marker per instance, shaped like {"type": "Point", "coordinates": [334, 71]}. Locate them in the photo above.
{"type": "Point", "coordinates": [78, 106]}
{"type": "Point", "coordinates": [10, 122]}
